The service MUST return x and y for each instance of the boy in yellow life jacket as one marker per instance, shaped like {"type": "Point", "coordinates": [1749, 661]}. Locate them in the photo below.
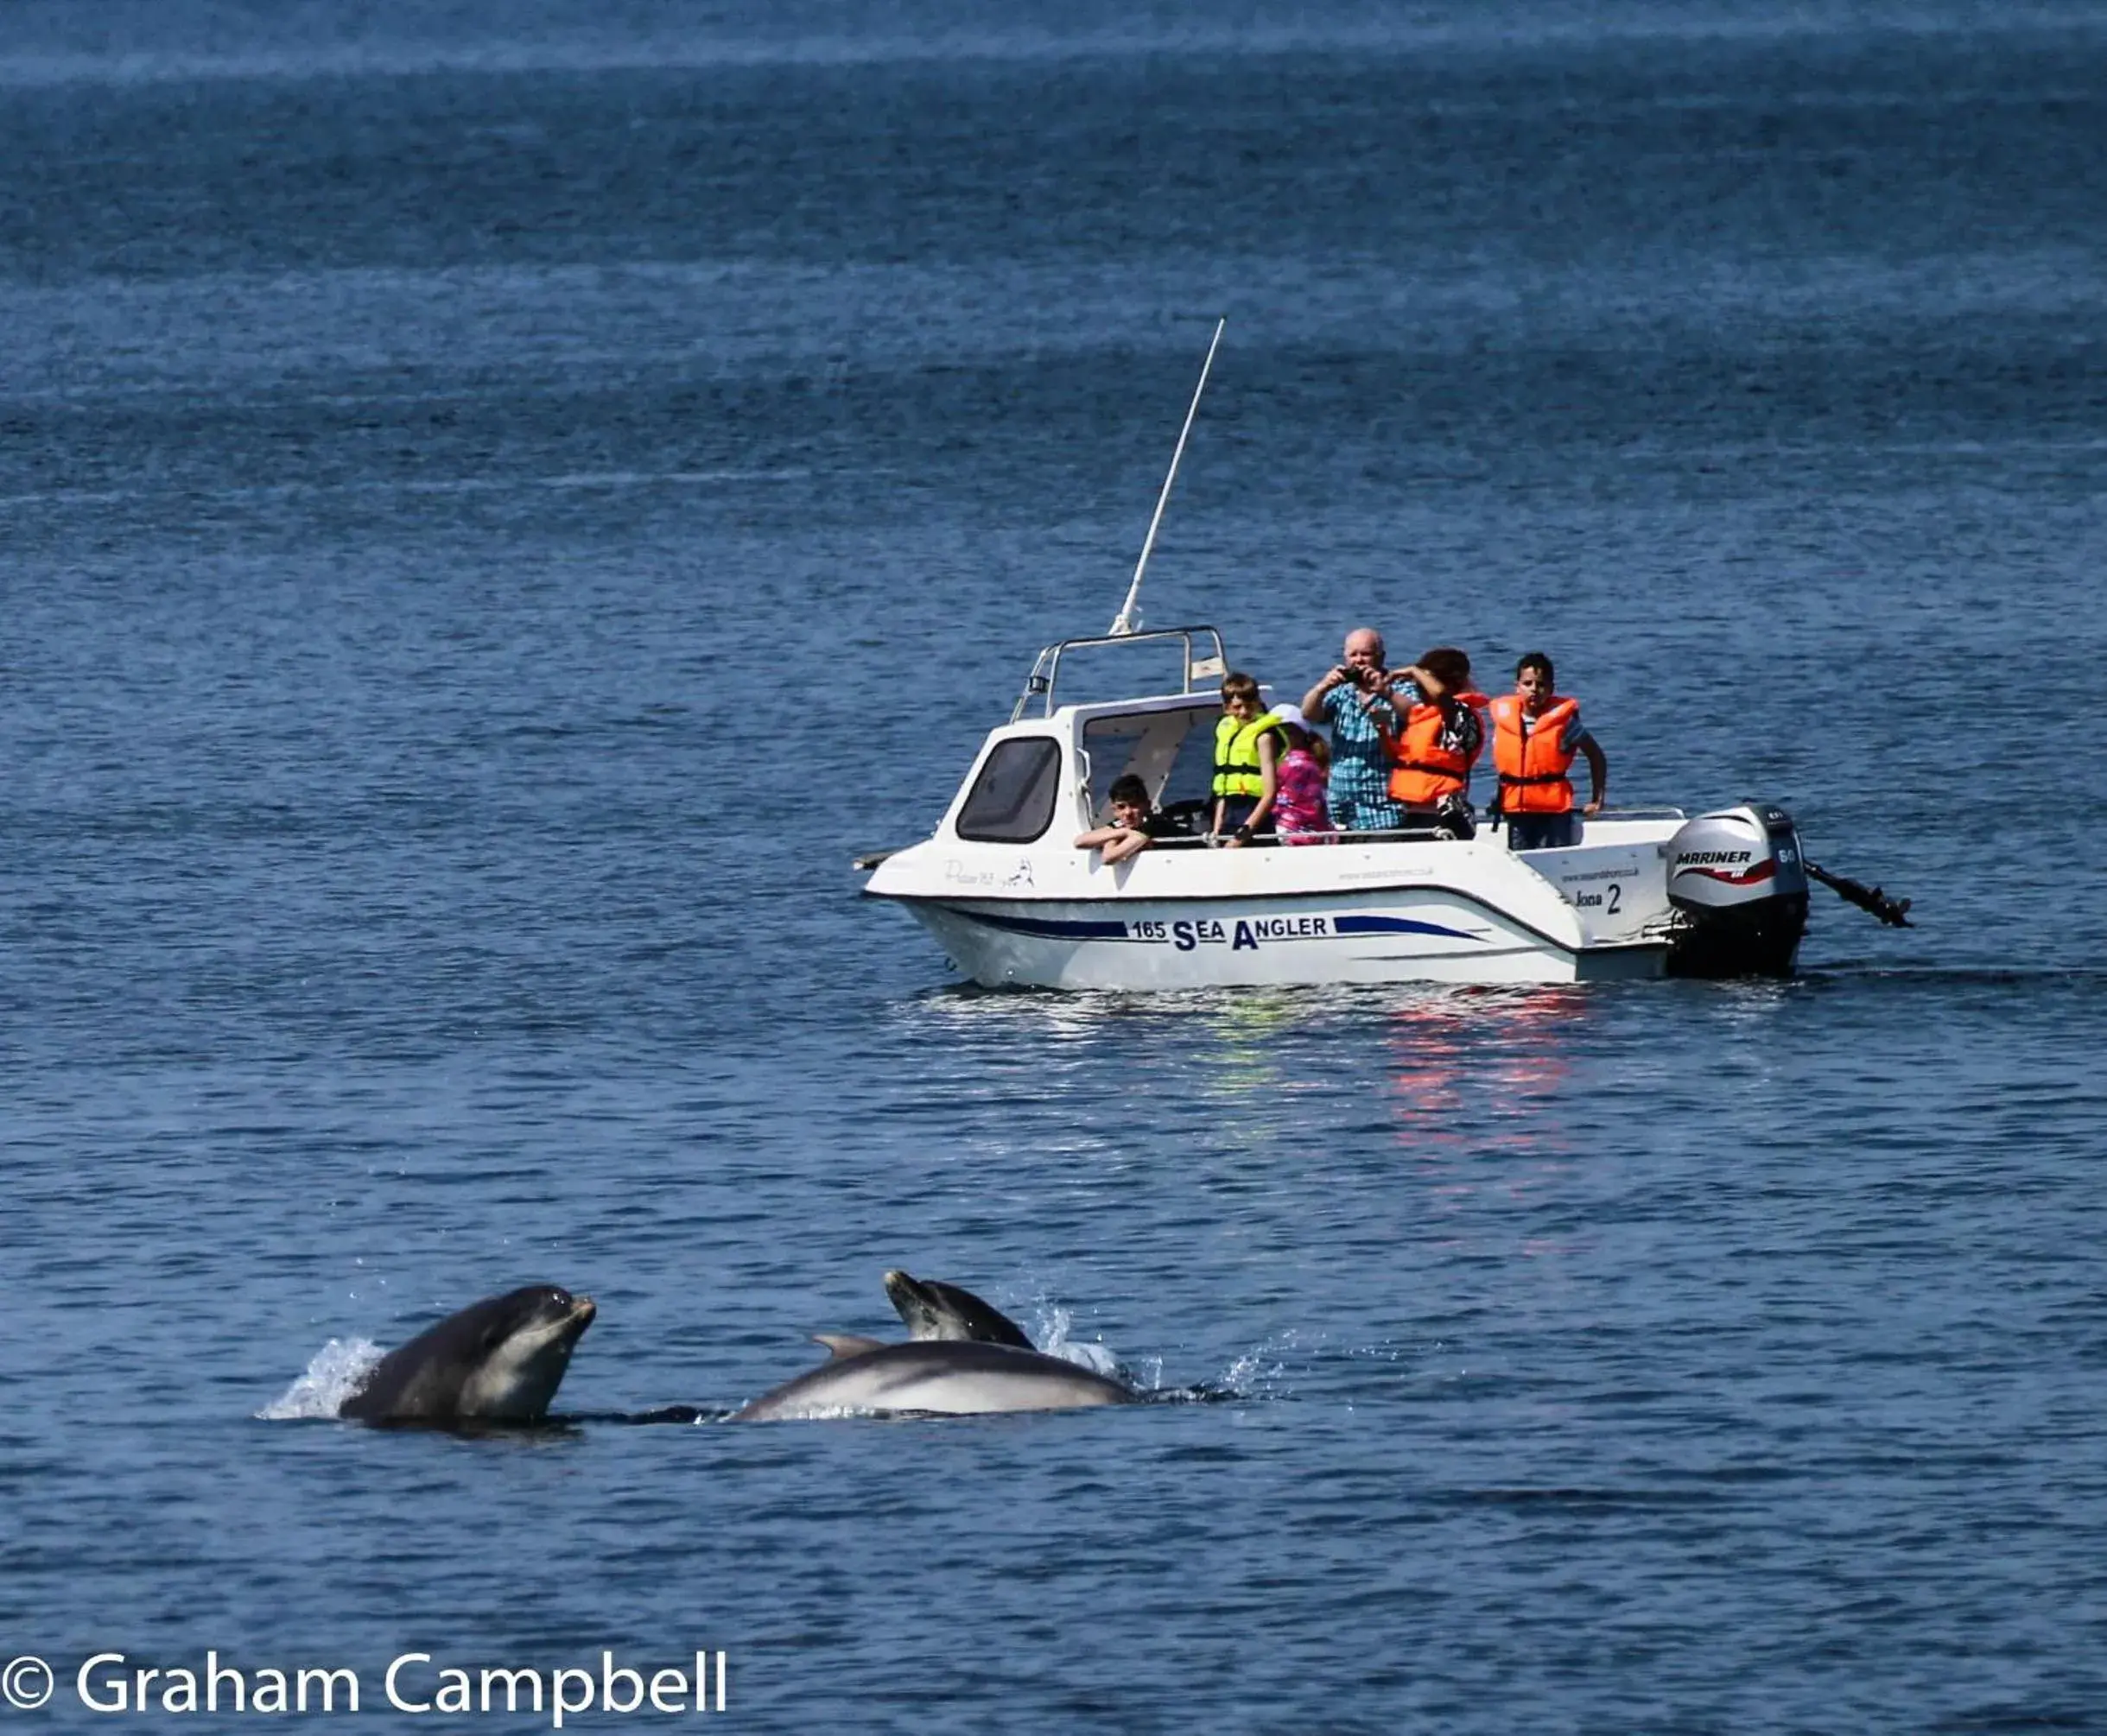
{"type": "Point", "coordinates": [1536, 733]}
{"type": "Point", "coordinates": [1247, 753]}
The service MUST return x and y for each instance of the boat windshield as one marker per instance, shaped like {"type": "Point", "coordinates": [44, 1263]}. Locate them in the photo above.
{"type": "Point", "coordinates": [1172, 751]}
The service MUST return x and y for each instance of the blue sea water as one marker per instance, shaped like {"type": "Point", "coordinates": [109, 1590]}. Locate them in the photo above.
{"type": "Point", "coordinates": [502, 502]}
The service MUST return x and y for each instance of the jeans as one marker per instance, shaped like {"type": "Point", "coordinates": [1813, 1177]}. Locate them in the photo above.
{"type": "Point", "coordinates": [1543, 831]}
{"type": "Point", "coordinates": [1236, 809]}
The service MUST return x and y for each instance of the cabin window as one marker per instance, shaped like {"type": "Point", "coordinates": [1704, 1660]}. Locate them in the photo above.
{"type": "Point", "coordinates": [1011, 801]}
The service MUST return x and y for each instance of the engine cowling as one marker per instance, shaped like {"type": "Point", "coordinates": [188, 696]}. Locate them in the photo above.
{"type": "Point", "coordinates": [1737, 878]}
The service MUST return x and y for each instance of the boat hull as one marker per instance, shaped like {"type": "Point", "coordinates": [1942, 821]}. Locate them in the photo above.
{"type": "Point", "coordinates": [1430, 934]}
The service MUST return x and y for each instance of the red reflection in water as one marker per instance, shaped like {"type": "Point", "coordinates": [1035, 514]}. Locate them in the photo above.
{"type": "Point", "coordinates": [1462, 1060]}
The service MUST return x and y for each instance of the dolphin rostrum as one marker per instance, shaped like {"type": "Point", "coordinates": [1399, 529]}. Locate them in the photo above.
{"type": "Point", "coordinates": [498, 1360]}
{"type": "Point", "coordinates": [934, 1309]}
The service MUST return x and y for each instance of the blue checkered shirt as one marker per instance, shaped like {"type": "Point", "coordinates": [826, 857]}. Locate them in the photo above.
{"type": "Point", "coordinates": [1358, 791]}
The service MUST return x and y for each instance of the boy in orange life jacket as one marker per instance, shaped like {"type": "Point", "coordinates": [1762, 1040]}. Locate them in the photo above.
{"type": "Point", "coordinates": [1535, 736]}
{"type": "Point", "coordinates": [1432, 751]}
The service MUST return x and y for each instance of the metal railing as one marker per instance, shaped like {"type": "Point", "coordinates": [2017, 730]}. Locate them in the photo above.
{"type": "Point", "coordinates": [1422, 835]}
{"type": "Point", "coordinates": [1487, 825]}
{"type": "Point", "coordinates": [1046, 667]}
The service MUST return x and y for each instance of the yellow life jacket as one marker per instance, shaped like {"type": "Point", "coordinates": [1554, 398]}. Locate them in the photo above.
{"type": "Point", "coordinates": [1236, 755]}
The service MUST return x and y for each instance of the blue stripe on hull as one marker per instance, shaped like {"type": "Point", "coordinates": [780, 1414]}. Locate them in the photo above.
{"type": "Point", "coordinates": [1394, 925]}
{"type": "Point", "coordinates": [1049, 928]}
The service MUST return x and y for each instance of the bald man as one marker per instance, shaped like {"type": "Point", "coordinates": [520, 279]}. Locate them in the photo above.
{"type": "Point", "coordinates": [1352, 702]}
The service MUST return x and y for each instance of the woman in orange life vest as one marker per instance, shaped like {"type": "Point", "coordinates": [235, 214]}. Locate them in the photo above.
{"type": "Point", "coordinates": [1437, 743]}
{"type": "Point", "coordinates": [1535, 735]}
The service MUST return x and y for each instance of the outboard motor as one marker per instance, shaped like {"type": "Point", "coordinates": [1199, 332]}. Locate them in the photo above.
{"type": "Point", "coordinates": [1737, 882]}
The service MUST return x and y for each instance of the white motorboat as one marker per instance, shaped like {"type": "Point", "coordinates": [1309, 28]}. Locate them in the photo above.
{"type": "Point", "coordinates": [1003, 887]}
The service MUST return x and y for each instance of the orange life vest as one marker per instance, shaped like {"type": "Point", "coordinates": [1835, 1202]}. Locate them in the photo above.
{"type": "Point", "coordinates": [1422, 770]}
{"type": "Point", "coordinates": [1532, 762]}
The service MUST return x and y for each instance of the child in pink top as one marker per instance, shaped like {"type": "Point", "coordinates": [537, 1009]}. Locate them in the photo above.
{"type": "Point", "coordinates": [1298, 805]}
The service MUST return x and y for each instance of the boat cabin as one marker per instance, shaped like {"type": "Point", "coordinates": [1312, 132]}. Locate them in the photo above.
{"type": "Point", "coordinates": [1053, 765]}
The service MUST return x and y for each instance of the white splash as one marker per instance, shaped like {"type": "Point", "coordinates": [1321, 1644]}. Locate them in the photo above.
{"type": "Point", "coordinates": [337, 1371]}
{"type": "Point", "coordinates": [1054, 1323]}
{"type": "Point", "coordinates": [1253, 1372]}
{"type": "Point", "coordinates": [1267, 1370]}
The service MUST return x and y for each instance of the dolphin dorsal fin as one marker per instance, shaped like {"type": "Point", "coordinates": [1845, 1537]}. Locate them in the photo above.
{"type": "Point", "coordinates": [842, 1343]}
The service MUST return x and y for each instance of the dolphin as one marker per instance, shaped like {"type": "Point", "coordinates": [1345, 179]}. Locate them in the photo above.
{"type": "Point", "coordinates": [498, 1360]}
{"type": "Point", "coordinates": [934, 1309]}
{"type": "Point", "coordinates": [946, 1378]}
{"type": "Point", "coordinates": [943, 1370]}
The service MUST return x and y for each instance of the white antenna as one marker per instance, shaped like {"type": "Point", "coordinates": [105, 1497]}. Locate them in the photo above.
{"type": "Point", "coordinates": [1123, 624]}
